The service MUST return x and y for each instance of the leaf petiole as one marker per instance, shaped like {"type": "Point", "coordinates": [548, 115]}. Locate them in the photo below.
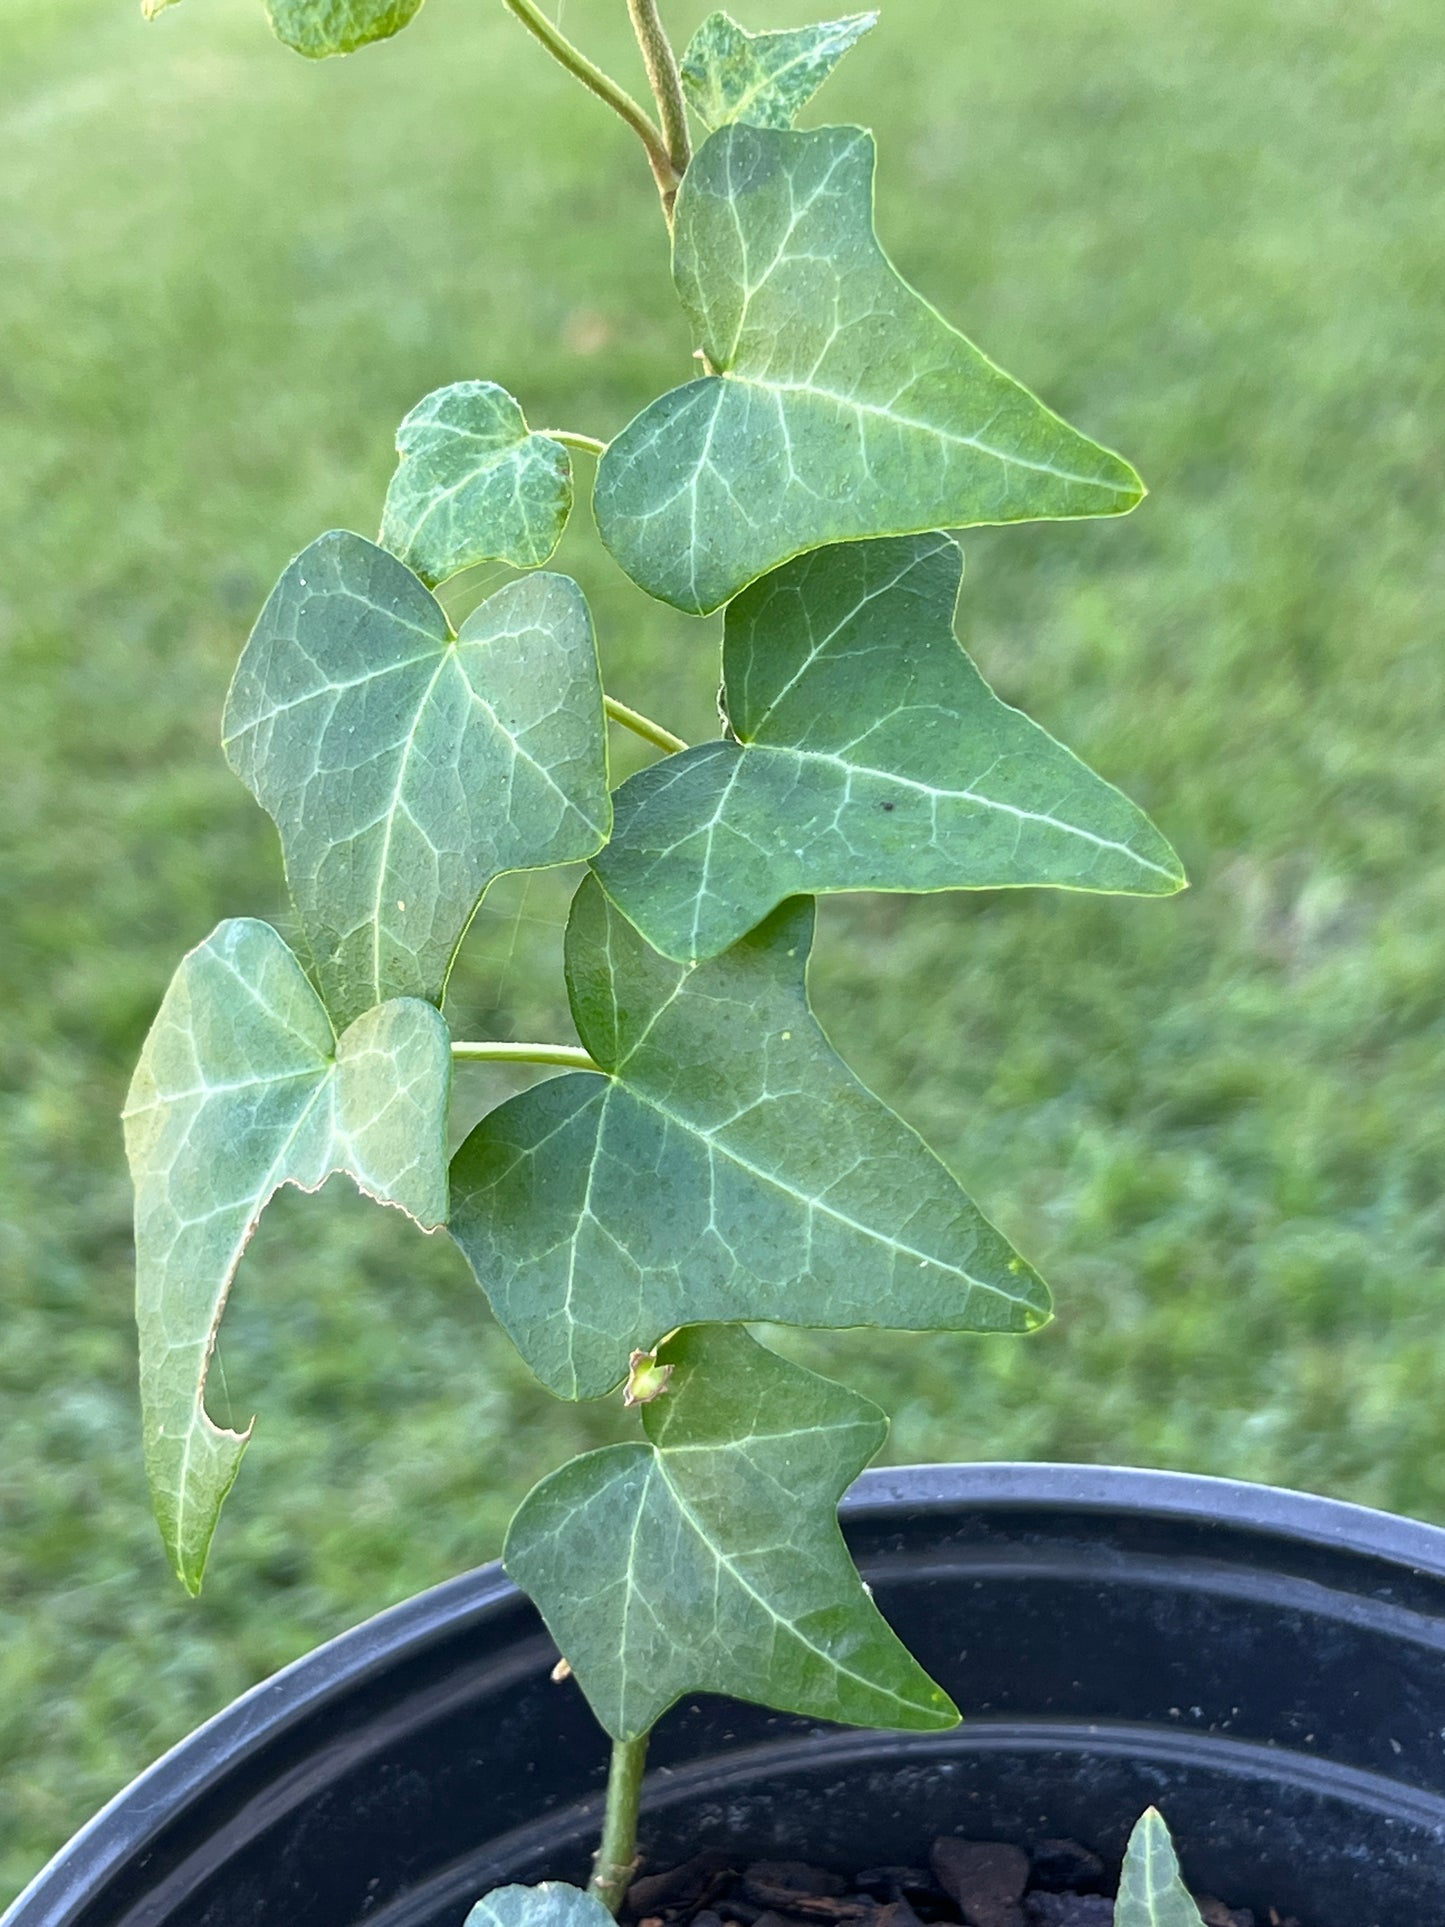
{"type": "Point", "coordinates": [605, 88]}
{"type": "Point", "coordinates": [569, 438]}
{"type": "Point", "coordinates": [571, 1055]}
{"type": "Point", "coordinates": [617, 1856]}
{"type": "Point", "coordinates": [643, 726]}
{"type": "Point", "coordinates": [664, 79]}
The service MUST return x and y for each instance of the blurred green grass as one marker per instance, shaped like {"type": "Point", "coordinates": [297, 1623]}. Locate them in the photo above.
{"type": "Point", "coordinates": [1207, 234]}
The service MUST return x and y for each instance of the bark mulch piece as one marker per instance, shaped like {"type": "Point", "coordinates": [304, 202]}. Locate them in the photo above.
{"type": "Point", "coordinates": [985, 1877]}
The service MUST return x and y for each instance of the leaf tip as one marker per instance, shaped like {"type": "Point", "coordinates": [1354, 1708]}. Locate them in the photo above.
{"type": "Point", "coordinates": [943, 1715]}
{"type": "Point", "coordinates": [1131, 484]}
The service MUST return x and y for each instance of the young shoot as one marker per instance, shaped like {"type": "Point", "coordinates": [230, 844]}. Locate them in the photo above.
{"type": "Point", "coordinates": [704, 1158]}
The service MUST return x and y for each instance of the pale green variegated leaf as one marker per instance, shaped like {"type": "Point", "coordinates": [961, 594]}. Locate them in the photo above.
{"type": "Point", "coordinates": [709, 1558]}
{"type": "Point", "coordinates": [242, 1087]}
{"type": "Point", "coordinates": [475, 485]}
{"type": "Point", "coordinates": [765, 79]}
{"type": "Point", "coordinates": [405, 767]}
{"type": "Point", "coordinates": [726, 1165]}
{"type": "Point", "coordinates": [552, 1903]}
{"type": "Point", "coordinates": [1151, 1891]}
{"type": "Point", "coordinates": [840, 404]}
{"type": "Point", "coordinates": [871, 755]}
{"type": "Point", "coordinates": [318, 28]}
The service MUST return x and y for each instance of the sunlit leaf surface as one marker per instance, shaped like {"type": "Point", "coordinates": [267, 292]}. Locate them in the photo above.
{"type": "Point", "coordinates": [765, 79]}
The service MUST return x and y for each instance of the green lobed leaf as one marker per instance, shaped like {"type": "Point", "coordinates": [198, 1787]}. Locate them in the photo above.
{"type": "Point", "coordinates": [474, 485]}
{"type": "Point", "coordinates": [725, 1165]}
{"type": "Point", "coordinates": [839, 405]}
{"type": "Point", "coordinates": [552, 1903]}
{"type": "Point", "coordinates": [318, 28]}
{"type": "Point", "coordinates": [405, 767]}
{"type": "Point", "coordinates": [243, 1086]}
{"type": "Point", "coordinates": [1151, 1891]}
{"type": "Point", "coordinates": [709, 1559]}
{"type": "Point", "coordinates": [765, 79]}
{"type": "Point", "coordinates": [871, 755]}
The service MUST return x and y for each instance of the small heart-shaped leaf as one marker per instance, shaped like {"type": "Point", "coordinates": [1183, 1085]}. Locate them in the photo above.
{"type": "Point", "coordinates": [709, 1559]}
{"type": "Point", "coordinates": [765, 79]}
{"type": "Point", "coordinates": [840, 404]}
{"type": "Point", "coordinates": [405, 767]}
{"type": "Point", "coordinates": [726, 1165]}
{"type": "Point", "coordinates": [869, 755]}
{"type": "Point", "coordinates": [474, 485]}
{"type": "Point", "coordinates": [243, 1086]}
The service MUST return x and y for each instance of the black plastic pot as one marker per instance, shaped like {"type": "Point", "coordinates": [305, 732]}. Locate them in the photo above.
{"type": "Point", "coordinates": [1269, 1668]}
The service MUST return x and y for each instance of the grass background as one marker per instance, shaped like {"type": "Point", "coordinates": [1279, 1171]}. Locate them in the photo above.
{"type": "Point", "coordinates": [1207, 232]}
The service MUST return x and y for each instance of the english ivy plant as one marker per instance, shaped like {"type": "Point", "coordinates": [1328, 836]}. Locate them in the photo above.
{"type": "Point", "coordinates": [708, 1159]}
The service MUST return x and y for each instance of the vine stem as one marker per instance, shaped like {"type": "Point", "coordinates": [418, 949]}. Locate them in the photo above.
{"type": "Point", "coordinates": [617, 1856]}
{"type": "Point", "coordinates": [569, 438]}
{"type": "Point", "coordinates": [605, 88]}
{"type": "Point", "coordinates": [643, 726]}
{"type": "Point", "coordinates": [664, 79]}
{"type": "Point", "coordinates": [572, 1055]}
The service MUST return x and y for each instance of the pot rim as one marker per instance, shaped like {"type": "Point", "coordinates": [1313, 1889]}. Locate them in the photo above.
{"type": "Point", "coordinates": [143, 1807]}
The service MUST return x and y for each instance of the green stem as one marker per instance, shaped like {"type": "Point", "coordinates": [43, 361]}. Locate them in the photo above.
{"type": "Point", "coordinates": [617, 1856]}
{"type": "Point", "coordinates": [664, 79]}
{"type": "Point", "coordinates": [605, 88]}
{"type": "Point", "coordinates": [643, 726]}
{"type": "Point", "coordinates": [568, 437]}
{"type": "Point", "coordinates": [572, 1055]}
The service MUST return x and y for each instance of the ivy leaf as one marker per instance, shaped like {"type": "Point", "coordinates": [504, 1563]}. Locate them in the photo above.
{"type": "Point", "coordinates": [405, 767]}
{"type": "Point", "coordinates": [318, 28]}
{"type": "Point", "coordinates": [727, 1165]}
{"type": "Point", "coordinates": [765, 79]}
{"type": "Point", "coordinates": [1151, 1892]}
{"type": "Point", "coordinates": [709, 1559]}
{"type": "Point", "coordinates": [552, 1903]}
{"type": "Point", "coordinates": [474, 485]}
{"type": "Point", "coordinates": [871, 755]}
{"type": "Point", "coordinates": [243, 1086]}
{"type": "Point", "coordinates": [840, 404]}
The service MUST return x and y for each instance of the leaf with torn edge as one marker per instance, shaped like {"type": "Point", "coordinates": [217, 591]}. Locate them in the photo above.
{"type": "Point", "coordinates": [1152, 1892]}
{"type": "Point", "coordinates": [725, 1165]}
{"type": "Point", "coordinates": [406, 768]}
{"type": "Point", "coordinates": [765, 79]}
{"type": "Point", "coordinates": [475, 484]}
{"type": "Point", "coordinates": [243, 1086]}
{"type": "Point", "coordinates": [840, 404]}
{"type": "Point", "coordinates": [870, 755]}
{"type": "Point", "coordinates": [709, 1559]}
